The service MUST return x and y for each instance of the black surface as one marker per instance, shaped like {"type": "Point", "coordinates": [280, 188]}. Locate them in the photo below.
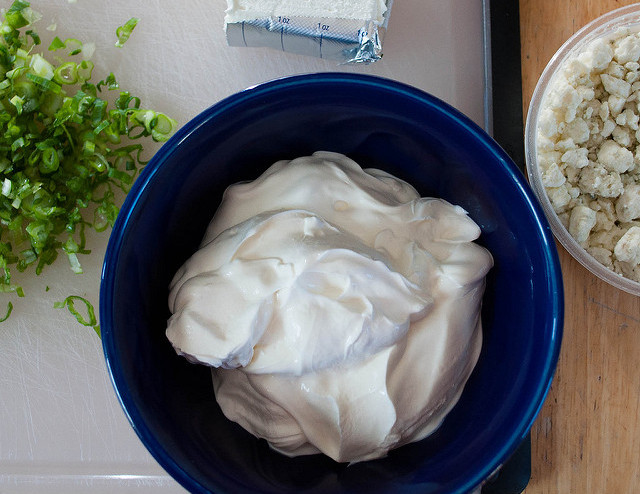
{"type": "Point", "coordinates": [506, 79]}
{"type": "Point", "coordinates": [508, 131]}
{"type": "Point", "coordinates": [514, 476]}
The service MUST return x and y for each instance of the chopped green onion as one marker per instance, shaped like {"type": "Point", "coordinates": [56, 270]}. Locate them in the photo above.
{"type": "Point", "coordinates": [87, 50]}
{"type": "Point", "coordinates": [76, 267]}
{"type": "Point", "coordinates": [6, 187]}
{"type": "Point", "coordinates": [17, 102]}
{"type": "Point", "coordinates": [41, 67]}
{"type": "Point", "coordinates": [123, 32]}
{"type": "Point", "coordinates": [56, 44]}
{"type": "Point", "coordinates": [20, 15]}
{"type": "Point", "coordinates": [84, 70]}
{"type": "Point", "coordinates": [110, 82]}
{"type": "Point", "coordinates": [44, 83]}
{"type": "Point", "coordinates": [64, 149]}
{"type": "Point", "coordinates": [67, 73]}
{"type": "Point", "coordinates": [74, 45]}
{"type": "Point", "coordinates": [34, 36]}
{"type": "Point", "coordinates": [50, 161]}
{"type": "Point", "coordinates": [9, 309]}
{"type": "Point", "coordinates": [90, 320]}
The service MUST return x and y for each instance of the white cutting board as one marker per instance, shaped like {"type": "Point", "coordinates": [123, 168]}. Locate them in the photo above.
{"type": "Point", "coordinates": [61, 427]}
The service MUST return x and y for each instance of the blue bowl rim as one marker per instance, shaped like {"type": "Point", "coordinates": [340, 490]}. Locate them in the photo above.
{"type": "Point", "coordinates": [554, 285]}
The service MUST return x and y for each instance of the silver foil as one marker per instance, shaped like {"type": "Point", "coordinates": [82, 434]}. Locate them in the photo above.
{"type": "Point", "coordinates": [343, 40]}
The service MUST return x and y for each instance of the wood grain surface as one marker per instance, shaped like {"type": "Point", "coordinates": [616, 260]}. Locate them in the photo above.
{"type": "Point", "coordinates": [587, 436]}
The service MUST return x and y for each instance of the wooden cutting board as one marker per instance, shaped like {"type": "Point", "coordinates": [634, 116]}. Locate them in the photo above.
{"type": "Point", "coordinates": [587, 437]}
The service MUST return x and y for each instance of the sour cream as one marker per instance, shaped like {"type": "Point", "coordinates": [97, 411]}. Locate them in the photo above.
{"type": "Point", "coordinates": [339, 310]}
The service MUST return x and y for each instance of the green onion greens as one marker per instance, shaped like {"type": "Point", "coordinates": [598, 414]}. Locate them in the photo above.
{"type": "Point", "coordinates": [124, 31]}
{"type": "Point", "coordinates": [90, 320]}
{"type": "Point", "coordinates": [65, 151]}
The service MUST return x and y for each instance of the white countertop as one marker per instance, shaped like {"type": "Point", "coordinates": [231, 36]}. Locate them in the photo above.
{"type": "Point", "coordinates": [61, 426]}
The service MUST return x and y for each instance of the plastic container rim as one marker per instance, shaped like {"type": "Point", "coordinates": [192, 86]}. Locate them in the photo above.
{"type": "Point", "coordinates": [603, 26]}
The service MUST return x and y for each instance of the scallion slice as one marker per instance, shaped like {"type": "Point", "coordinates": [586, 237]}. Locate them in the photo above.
{"type": "Point", "coordinates": [70, 304]}
{"type": "Point", "coordinates": [123, 32]}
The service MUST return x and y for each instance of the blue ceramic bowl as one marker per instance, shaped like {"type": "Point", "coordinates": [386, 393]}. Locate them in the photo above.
{"type": "Point", "coordinates": [382, 124]}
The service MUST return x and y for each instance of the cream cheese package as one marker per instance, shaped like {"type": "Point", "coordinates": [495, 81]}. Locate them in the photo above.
{"type": "Point", "coordinates": [339, 310]}
{"type": "Point", "coordinates": [346, 31]}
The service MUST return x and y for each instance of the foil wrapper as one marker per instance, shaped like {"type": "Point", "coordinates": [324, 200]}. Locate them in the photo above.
{"type": "Point", "coordinates": [343, 40]}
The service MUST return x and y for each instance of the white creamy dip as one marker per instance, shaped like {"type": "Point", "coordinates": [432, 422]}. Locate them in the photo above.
{"type": "Point", "coordinates": [339, 310]}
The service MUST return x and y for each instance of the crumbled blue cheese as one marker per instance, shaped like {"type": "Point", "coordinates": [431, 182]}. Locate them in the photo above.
{"type": "Point", "coordinates": [588, 146]}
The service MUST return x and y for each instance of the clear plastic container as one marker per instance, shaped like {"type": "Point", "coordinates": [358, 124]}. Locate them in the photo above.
{"type": "Point", "coordinates": [604, 26]}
